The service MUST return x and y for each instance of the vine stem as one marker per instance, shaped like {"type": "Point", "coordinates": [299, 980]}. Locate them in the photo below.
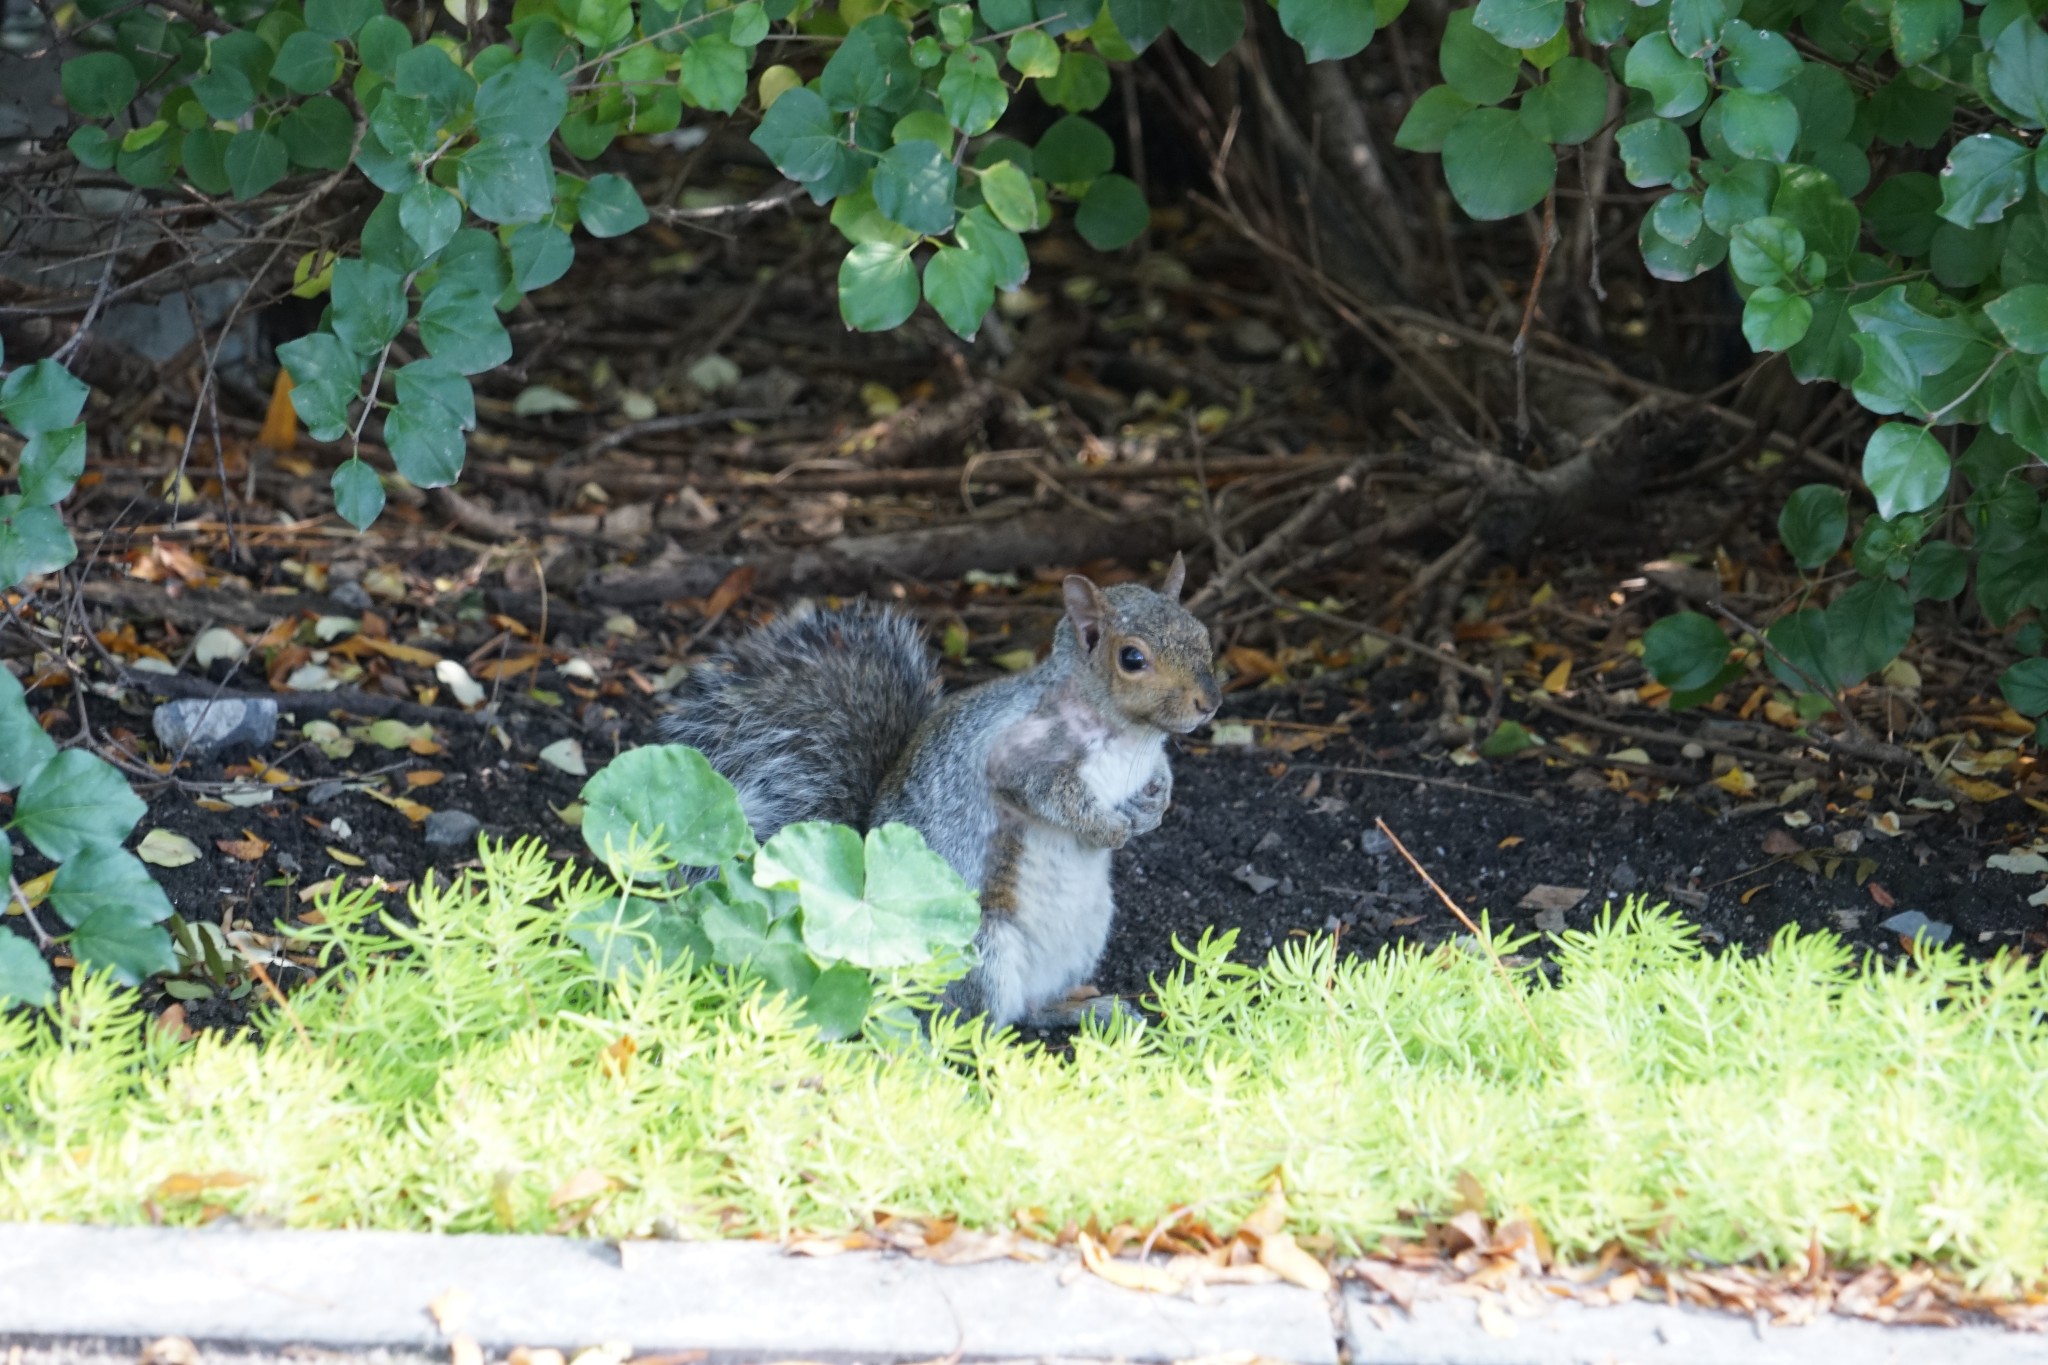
{"type": "Point", "coordinates": [1959, 399]}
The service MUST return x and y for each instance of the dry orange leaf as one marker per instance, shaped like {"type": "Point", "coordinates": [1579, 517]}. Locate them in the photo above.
{"type": "Point", "coordinates": [586, 1184]}
{"type": "Point", "coordinates": [505, 668]}
{"type": "Point", "coordinates": [1511, 841]}
{"type": "Point", "coordinates": [730, 589]}
{"type": "Point", "coordinates": [423, 777]}
{"type": "Point", "coordinates": [451, 1308]}
{"type": "Point", "coordinates": [425, 748]}
{"type": "Point", "coordinates": [280, 423]}
{"type": "Point", "coordinates": [1884, 898]}
{"type": "Point", "coordinates": [186, 1186]}
{"type": "Point", "coordinates": [1279, 1254]}
{"type": "Point", "coordinates": [247, 849]}
{"type": "Point", "coordinates": [1559, 678]}
{"type": "Point", "coordinates": [1124, 1274]}
{"type": "Point", "coordinates": [405, 654]}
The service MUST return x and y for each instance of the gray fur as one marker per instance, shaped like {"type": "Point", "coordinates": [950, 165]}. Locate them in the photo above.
{"type": "Point", "coordinates": [806, 715]}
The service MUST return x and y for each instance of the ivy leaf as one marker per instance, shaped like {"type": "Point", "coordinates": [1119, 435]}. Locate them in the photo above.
{"type": "Point", "coordinates": [325, 375]}
{"type": "Point", "coordinates": [50, 465]}
{"type": "Point", "coordinates": [1757, 58]}
{"type": "Point", "coordinates": [1677, 84]}
{"type": "Point", "coordinates": [430, 216]}
{"type": "Point", "coordinates": [507, 182]}
{"type": "Point", "coordinates": [669, 791]}
{"type": "Point", "coordinates": [1210, 28]}
{"type": "Point", "coordinates": [1813, 524]}
{"type": "Point", "coordinates": [1906, 468]}
{"type": "Point", "coordinates": [113, 906]}
{"type": "Point", "coordinates": [2021, 317]}
{"type": "Point", "coordinates": [610, 206]}
{"type": "Point", "coordinates": [459, 325]}
{"type": "Point", "coordinates": [2018, 71]}
{"type": "Point", "coordinates": [358, 493]}
{"type": "Point", "coordinates": [960, 286]}
{"type": "Point", "coordinates": [1113, 213]}
{"type": "Point", "coordinates": [914, 186]}
{"type": "Point", "coordinates": [1985, 175]}
{"type": "Point", "coordinates": [1686, 651]}
{"type": "Point", "coordinates": [714, 73]}
{"type": "Point", "coordinates": [33, 541]}
{"type": "Point", "coordinates": [41, 397]}
{"type": "Point", "coordinates": [522, 105]}
{"type": "Point", "coordinates": [1567, 109]}
{"type": "Point", "coordinates": [24, 746]}
{"type": "Point", "coordinates": [76, 801]}
{"type": "Point", "coordinates": [1930, 343]}
{"type": "Point", "coordinates": [1773, 320]}
{"type": "Point", "coordinates": [878, 287]}
{"type": "Point", "coordinates": [1331, 30]}
{"type": "Point", "coordinates": [1474, 64]}
{"type": "Point", "coordinates": [1436, 111]}
{"type": "Point", "coordinates": [24, 977]}
{"type": "Point", "coordinates": [1494, 167]}
{"type": "Point", "coordinates": [872, 67]}
{"type": "Point", "coordinates": [1514, 23]}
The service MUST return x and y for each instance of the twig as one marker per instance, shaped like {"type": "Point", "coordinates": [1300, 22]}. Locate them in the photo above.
{"type": "Point", "coordinates": [1485, 941]}
{"type": "Point", "coordinates": [1521, 346]}
{"type": "Point", "coordinates": [1397, 776]}
{"type": "Point", "coordinates": [1286, 534]}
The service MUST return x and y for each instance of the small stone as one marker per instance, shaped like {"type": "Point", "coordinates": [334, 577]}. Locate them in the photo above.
{"type": "Point", "coordinates": [204, 726]}
{"type": "Point", "coordinates": [351, 595]}
{"type": "Point", "coordinates": [1624, 877]}
{"type": "Point", "coordinates": [1267, 842]}
{"type": "Point", "coordinates": [446, 827]}
{"type": "Point", "coordinates": [1375, 843]}
{"type": "Point", "coordinates": [1694, 751]}
{"type": "Point", "coordinates": [1550, 921]}
{"type": "Point", "coordinates": [320, 793]}
{"type": "Point", "coordinates": [1259, 883]}
{"type": "Point", "coordinates": [1254, 339]}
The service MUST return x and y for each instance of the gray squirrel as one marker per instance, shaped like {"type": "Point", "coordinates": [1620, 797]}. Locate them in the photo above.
{"type": "Point", "coordinates": [1025, 785]}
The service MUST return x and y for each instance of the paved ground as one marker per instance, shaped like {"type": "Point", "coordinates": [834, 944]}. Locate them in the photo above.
{"type": "Point", "coordinates": [91, 1296]}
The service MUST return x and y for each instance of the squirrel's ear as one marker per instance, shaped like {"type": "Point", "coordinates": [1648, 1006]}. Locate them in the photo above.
{"type": "Point", "coordinates": [1087, 608]}
{"type": "Point", "coordinates": [1176, 578]}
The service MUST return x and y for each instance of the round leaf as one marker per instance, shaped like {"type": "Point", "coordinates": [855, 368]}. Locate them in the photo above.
{"type": "Point", "coordinates": [255, 161]}
{"type": "Point", "coordinates": [358, 493]}
{"type": "Point", "coordinates": [1437, 110]}
{"type": "Point", "coordinates": [914, 184]}
{"type": "Point", "coordinates": [1072, 151]}
{"type": "Point", "coordinates": [1495, 169]}
{"type": "Point", "coordinates": [24, 977]}
{"type": "Point", "coordinates": [888, 901]}
{"type": "Point", "coordinates": [98, 85]}
{"type": "Point", "coordinates": [1985, 176]}
{"type": "Point", "coordinates": [1686, 651]}
{"type": "Point", "coordinates": [878, 287]}
{"type": "Point", "coordinates": [1813, 524]}
{"type": "Point", "coordinates": [1113, 214]}
{"type": "Point", "coordinates": [33, 541]}
{"type": "Point", "coordinates": [1007, 191]}
{"type": "Point", "coordinates": [1867, 627]}
{"type": "Point", "coordinates": [2025, 685]}
{"type": "Point", "coordinates": [1906, 468]}
{"type": "Point", "coordinates": [41, 397]}
{"type": "Point", "coordinates": [1473, 64]}
{"type": "Point", "coordinates": [1331, 30]}
{"type": "Point", "coordinates": [667, 793]}
{"type": "Point", "coordinates": [50, 465]}
{"type": "Point", "coordinates": [1758, 125]}
{"type": "Point", "coordinates": [1773, 320]}
{"type": "Point", "coordinates": [960, 286]}
{"type": "Point", "coordinates": [1515, 23]}
{"type": "Point", "coordinates": [306, 63]}
{"type": "Point", "coordinates": [1567, 109]}
{"type": "Point", "coordinates": [610, 207]}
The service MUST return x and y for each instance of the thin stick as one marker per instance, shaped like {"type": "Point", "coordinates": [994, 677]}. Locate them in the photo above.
{"type": "Point", "coordinates": [1396, 776]}
{"type": "Point", "coordinates": [1484, 940]}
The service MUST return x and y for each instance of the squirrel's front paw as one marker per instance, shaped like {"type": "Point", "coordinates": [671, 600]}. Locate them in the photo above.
{"type": "Point", "coordinates": [1146, 809]}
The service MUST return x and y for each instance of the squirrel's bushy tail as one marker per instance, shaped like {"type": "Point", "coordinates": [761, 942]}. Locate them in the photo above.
{"type": "Point", "coordinates": [806, 715]}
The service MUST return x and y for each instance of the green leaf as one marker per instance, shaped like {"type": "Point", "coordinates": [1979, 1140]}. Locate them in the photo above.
{"type": "Point", "coordinates": [33, 541]}
{"type": "Point", "coordinates": [2025, 685]}
{"type": "Point", "coordinates": [872, 67]}
{"type": "Point", "coordinates": [1906, 468]}
{"type": "Point", "coordinates": [381, 43]}
{"type": "Point", "coordinates": [1766, 251]}
{"type": "Point", "coordinates": [307, 63]}
{"type": "Point", "coordinates": [1867, 627]}
{"type": "Point", "coordinates": [93, 148]}
{"type": "Point", "coordinates": [714, 73]}
{"type": "Point", "coordinates": [1000, 249]}
{"type": "Point", "coordinates": [1903, 114]}
{"type": "Point", "coordinates": [1514, 23]}
{"type": "Point", "coordinates": [2021, 316]}
{"type": "Point", "coordinates": [459, 325]}
{"type": "Point", "coordinates": [610, 207]}
{"type": "Point", "coordinates": [1737, 192]}
{"type": "Point", "coordinates": [255, 162]}
{"type": "Point", "coordinates": [41, 397]}
{"type": "Point", "coordinates": [50, 465]}
{"type": "Point", "coordinates": [1435, 112]}
{"type": "Point", "coordinates": [112, 903]}
{"type": "Point", "coordinates": [1799, 651]}
{"type": "Point", "coordinates": [1985, 175]}
{"type": "Point", "coordinates": [1113, 213]}
{"type": "Point", "coordinates": [1494, 167]}
{"type": "Point", "coordinates": [837, 1003]}
{"type": "Point", "coordinates": [878, 287]}
{"type": "Point", "coordinates": [1922, 29]}
{"type": "Point", "coordinates": [437, 384]}
{"type": "Point", "coordinates": [1685, 651]}
{"type": "Point", "coordinates": [972, 91]}
{"type": "Point", "coordinates": [1034, 54]}
{"type": "Point", "coordinates": [1139, 21]}
{"type": "Point", "coordinates": [541, 253]}
{"type": "Point", "coordinates": [75, 801]}
{"type": "Point", "coordinates": [24, 977]}
{"type": "Point", "coordinates": [1008, 192]}
{"type": "Point", "coordinates": [640, 937]}
{"type": "Point", "coordinates": [1758, 125]}
{"type": "Point", "coordinates": [507, 182]}
{"type": "Point", "coordinates": [430, 216]}
{"type": "Point", "coordinates": [369, 304]}
{"type": "Point", "coordinates": [24, 746]}
{"type": "Point", "coordinates": [669, 794]}
{"type": "Point", "coordinates": [1773, 320]}
{"type": "Point", "coordinates": [1081, 84]}
{"type": "Point", "coordinates": [340, 19]}
{"type": "Point", "coordinates": [888, 901]}
{"type": "Point", "coordinates": [1902, 213]}
{"type": "Point", "coordinates": [1507, 740]}
{"type": "Point", "coordinates": [1073, 151]}
{"type": "Point", "coordinates": [318, 134]}
{"type": "Point", "coordinates": [1331, 30]}
{"type": "Point", "coordinates": [429, 73]}
{"type": "Point", "coordinates": [98, 85]}
{"type": "Point", "coordinates": [1654, 152]}
{"type": "Point", "coordinates": [960, 286]}
{"type": "Point", "coordinates": [1695, 25]}
{"type": "Point", "coordinates": [2018, 71]}
{"type": "Point", "coordinates": [1938, 573]}
{"type": "Point", "coordinates": [1813, 524]}
{"type": "Point", "coordinates": [1567, 109]}
{"type": "Point", "coordinates": [800, 136]}
{"type": "Point", "coordinates": [1757, 58]}
{"type": "Point", "coordinates": [1678, 261]}
{"type": "Point", "coordinates": [204, 154]}
{"type": "Point", "coordinates": [1474, 64]}
{"type": "Point", "coordinates": [1928, 342]}
{"type": "Point", "coordinates": [1677, 218]}
{"type": "Point", "coordinates": [1210, 28]}
{"type": "Point", "coordinates": [749, 23]}
{"type": "Point", "coordinates": [325, 378]}
{"type": "Point", "coordinates": [914, 185]}
{"type": "Point", "coordinates": [1677, 84]}
{"type": "Point", "coordinates": [522, 104]}
{"type": "Point", "coordinates": [358, 493]}
{"type": "Point", "coordinates": [425, 445]}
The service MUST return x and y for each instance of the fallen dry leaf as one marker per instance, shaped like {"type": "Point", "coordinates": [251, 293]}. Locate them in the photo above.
{"type": "Point", "coordinates": [164, 848]}
{"type": "Point", "coordinates": [250, 847]}
{"type": "Point", "coordinates": [1779, 844]}
{"type": "Point", "coordinates": [1552, 897]}
{"type": "Point", "coordinates": [1280, 1254]}
{"type": "Point", "coordinates": [451, 1308]}
{"type": "Point", "coordinates": [184, 1186]}
{"type": "Point", "coordinates": [1136, 1275]}
{"type": "Point", "coordinates": [584, 1185]}
{"type": "Point", "coordinates": [463, 1350]}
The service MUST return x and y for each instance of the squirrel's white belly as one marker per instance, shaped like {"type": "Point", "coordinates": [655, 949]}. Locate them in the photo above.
{"type": "Point", "coordinates": [1117, 769]}
{"type": "Point", "coordinates": [1062, 916]}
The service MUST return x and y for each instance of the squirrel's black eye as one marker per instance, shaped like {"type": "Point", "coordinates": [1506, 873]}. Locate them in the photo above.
{"type": "Point", "coordinates": [1131, 659]}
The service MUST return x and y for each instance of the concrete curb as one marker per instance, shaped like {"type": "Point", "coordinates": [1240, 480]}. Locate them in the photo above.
{"type": "Point", "coordinates": [733, 1299]}
{"type": "Point", "coordinates": [750, 1301]}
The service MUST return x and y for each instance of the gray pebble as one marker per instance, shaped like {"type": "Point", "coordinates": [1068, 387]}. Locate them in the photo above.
{"type": "Point", "coordinates": [1624, 877]}
{"type": "Point", "coordinates": [446, 827]}
{"type": "Point", "coordinates": [1253, 339]}
{"type": "Point", "coordinates": [1375, 843]}
{"type": "Point", "coordinates": [351, 594]}
{"type": "Point", "coordinates": [320, 793]}
{"type": "Point", "coordinates": [204, 726]}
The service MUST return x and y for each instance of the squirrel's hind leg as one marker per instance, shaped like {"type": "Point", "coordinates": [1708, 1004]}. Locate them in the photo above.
{"type": "Point", "coordinates": [1108, 1011]}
